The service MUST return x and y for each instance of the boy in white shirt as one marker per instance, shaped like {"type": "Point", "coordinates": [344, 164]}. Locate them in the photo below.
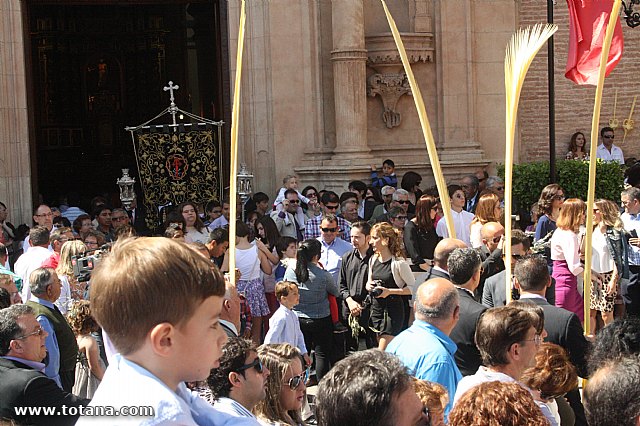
{"type": "Point", "coordinates": [284, 326]}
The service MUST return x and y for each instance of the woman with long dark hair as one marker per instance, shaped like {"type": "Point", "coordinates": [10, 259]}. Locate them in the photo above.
{"type": "Point", "coordinates": [420, 238]}
{"type": "Point", "coordinates": [267, 237]}
{"type": "Point", "coordinates": [315, 285]}
{"type": "Point", "coordinates": [390, 278]}
{"type": "Point", "coordinates": [411, 183]}
{"type": "Point", "coordinates": [577, 147]}
{"type": "Point", "coordinates": [195, 231]}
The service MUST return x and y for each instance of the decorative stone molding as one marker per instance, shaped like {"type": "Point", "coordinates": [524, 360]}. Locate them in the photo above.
{"type": "Point", "coordinates": [390, 82]}
{"type": "Point", "coordinates": [390, 87]}
{"type": "Point", "coordinates": [382, 51]}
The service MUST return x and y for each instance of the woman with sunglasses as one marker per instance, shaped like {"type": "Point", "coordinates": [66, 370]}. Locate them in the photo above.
{"type": "Point", "coordinates": [488, 210]}
{"type": "Point", "coordinates": [286, 385]}
{"type": "Point", "coordinates": [267, 234]}
{"type": "Point", "coordinates": [608, 261]}
{"type": "Point", "coordinates": [311, 209]}
{"type": "Point", "coordinates": [565, 254]}
{"type": "Point", "coordinates": [420, 238]}
{"type": "Point", "coordinates": [315, 285]}
{"type": "Point", "coordinates": [390, 279]}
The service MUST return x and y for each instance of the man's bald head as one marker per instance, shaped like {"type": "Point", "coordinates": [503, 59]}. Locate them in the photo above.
{"type": "Point", "coordinates": [444, 249]}
{"type": "Point", "coordinates": [437, 303]}
{"type": "Point", "coordinates": [491, 229]}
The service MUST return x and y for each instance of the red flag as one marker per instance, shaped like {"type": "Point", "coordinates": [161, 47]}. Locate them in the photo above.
{"type": "Point", "coordinates": [588, 21]}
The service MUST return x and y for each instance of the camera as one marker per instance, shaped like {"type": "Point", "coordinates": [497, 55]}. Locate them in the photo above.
{"type": "Point", "coordinates": [85, 263]}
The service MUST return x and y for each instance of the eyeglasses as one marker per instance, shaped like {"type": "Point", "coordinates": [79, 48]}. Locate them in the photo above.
{"type": "Point", "coordinates": [38, 332]}
{"type": "Point", "coordinates": [404, 202]}
{"type": "Point", "coordinates": [296, 381]}
{"type": "Point", "coordinates": [45, 215]}
{"type": "Point", "coordinates": [496, 240]}
{"type": "Point", "coordinates": [328, 207]}
{"type": "Point", "coordinates": [90, 243]}
{"type": "Point", "coordinates": [118, 219]}
{"type": "Point", "coordinates": [537, 340]}
{"type": "Point", "coordinates": [294, 201]}
{"type": "Point", "coordinates": [328, 229]}
{"type": "Point", "coordinates": [609, 136]}
{"type": "Point", "coordinates": [517, 256]}
{"type": "Point", "coordinates": [65, 239]}
{"type": "Point", "coordinates": [559, 197]}
{"type": "Point", "coordinates": [401, 217]}
{"type": "Point", "coordinates": [548, 397]}
{"type": "Point", "coordinates": [257, 364]}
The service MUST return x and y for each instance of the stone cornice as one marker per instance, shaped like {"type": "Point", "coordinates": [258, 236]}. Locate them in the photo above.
{"type": "Point", "coordinates": [382, 50]}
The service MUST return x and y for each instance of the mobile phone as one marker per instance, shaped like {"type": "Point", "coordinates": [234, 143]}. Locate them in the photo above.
{"type": "Point", "coordinates": [633, 233]}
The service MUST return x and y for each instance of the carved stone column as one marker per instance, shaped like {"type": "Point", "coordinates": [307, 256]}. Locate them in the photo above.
{"type": "Point", "coordinates": [15, 164]}
{"type": "Point", "coordinates": [349, 58]}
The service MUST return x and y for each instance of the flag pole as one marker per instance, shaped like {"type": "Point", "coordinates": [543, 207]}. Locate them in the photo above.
{"type": "Point", "coordinates": [233, 166]}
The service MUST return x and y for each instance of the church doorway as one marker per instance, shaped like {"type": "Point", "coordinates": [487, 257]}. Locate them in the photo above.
{"type": "Point", "coordinates": [96, 66]}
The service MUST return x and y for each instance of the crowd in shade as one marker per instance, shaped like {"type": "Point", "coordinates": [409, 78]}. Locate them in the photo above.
{"type": "Point", "coordinates": [352, 309]}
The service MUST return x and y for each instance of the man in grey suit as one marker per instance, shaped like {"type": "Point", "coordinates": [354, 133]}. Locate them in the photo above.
{"type": "Point", "coordinates": [563, 327]}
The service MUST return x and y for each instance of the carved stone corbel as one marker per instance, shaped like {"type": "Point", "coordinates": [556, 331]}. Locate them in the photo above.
{"type": "Point", "coordinates": [390, 87]}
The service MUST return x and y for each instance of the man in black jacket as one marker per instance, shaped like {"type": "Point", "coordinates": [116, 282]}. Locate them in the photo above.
{"type": "Point", "coordinates": [22, 383]}
{"type": "Point", "coordinates": [464, 270]}
{"type": "Point", "coordinates": [440, 258]}
{"type": "Point", "coordinates": [353, 278]}
{"type": "Point", "coordinates": [563, 327]}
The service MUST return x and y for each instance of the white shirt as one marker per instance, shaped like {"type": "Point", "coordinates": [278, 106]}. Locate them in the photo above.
{"type": "Point", "coordinates": [27, 263]}
{"type": "Point", "coordinates": [461, 223]}
{"type": "Point", "coordinates": [601, 259]}
{"type": "Point", "coordinates": [564, 246]}
{"type": "Point", "coordinates": [284, 327]}
{"type": "Point", "coordinates": [615, 154]}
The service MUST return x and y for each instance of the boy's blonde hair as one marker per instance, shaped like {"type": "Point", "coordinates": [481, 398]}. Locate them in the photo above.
{"type": "Point", "coordinates": [283, 288]}
{"type": "Point", "coordinates": [287, 178]}
{"type": "Point", "coordinates": [144, 282]}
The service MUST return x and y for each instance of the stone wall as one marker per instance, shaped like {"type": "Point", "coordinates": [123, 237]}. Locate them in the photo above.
{"type": "Point", "coordinates": [574, 104]}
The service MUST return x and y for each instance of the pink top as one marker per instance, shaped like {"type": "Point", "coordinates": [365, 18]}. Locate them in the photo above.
{"type": "Point", "coordinates": [564, 246]}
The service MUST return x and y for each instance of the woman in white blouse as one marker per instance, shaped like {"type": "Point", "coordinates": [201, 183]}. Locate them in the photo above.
{"type": "Point", "coordinates": [565, 254]}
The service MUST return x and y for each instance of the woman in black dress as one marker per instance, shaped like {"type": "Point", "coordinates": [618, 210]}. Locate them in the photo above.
{"type": "Point", "coordinates": [390, 278]}
{"type": "Point", "coordinates": [420, 238]}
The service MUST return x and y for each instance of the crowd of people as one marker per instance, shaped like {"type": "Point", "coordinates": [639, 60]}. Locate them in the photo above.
{"type": "Point", "coordinates": [363, 294]}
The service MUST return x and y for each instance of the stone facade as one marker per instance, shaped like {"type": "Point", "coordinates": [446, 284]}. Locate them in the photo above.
{"type": "Point", "coordinates": [324, 93]}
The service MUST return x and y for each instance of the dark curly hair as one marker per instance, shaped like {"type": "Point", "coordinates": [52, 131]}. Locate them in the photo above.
{"type": "Point", "coordinates": [621, 337]}
{"type": "Point", "coordinates": [234, 355]}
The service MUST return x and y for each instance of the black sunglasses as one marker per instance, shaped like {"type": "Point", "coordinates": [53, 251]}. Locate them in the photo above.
{"type": "Point", "coordinates": [257, 364]}
{"type": "Point", "coordinates": [404, 202]}
{"type": "Point", "coordinates": [328, 229]}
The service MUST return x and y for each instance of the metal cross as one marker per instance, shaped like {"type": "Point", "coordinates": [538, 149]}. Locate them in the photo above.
{"type": "Point", "coordinates": [172, 108]}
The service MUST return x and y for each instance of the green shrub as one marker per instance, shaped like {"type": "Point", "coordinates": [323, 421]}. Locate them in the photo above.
{"type": "Point", "coordinates": [573, 176]}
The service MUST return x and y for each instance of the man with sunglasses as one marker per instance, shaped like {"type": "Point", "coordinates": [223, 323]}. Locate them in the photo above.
{"type": "Point", "coordinates": [239, 383]}
{"type": "Point", "coordinates": [285, 216]}
{"type": "Point", "coordinates": [22, 383]}
{"type": "Point", "coordinates": [329, 204]}
{"type": "Point", "coordinates": [400, 198]}
{"type": "Point", "coordinates": [56, 239]}
{"type": "Point", "coordinates": [607, 151]}
{"type": "Point", "coordinates": [333, 248]}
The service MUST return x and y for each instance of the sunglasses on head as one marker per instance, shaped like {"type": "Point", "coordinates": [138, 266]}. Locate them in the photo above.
{"type": "Point", "coordinates": [296, 381]}
{"type": "Point", "coordinates": [257, 364]}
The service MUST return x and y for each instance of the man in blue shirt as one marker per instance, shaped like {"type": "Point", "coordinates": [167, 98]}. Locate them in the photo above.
{"type": "Point", "coordinates": [425, 347]}
{"type": "Point", "coordinates": [333, 248]}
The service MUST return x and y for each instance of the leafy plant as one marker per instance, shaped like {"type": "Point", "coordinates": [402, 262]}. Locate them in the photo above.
{"type": "Point", "coordinates": [573, 176]}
